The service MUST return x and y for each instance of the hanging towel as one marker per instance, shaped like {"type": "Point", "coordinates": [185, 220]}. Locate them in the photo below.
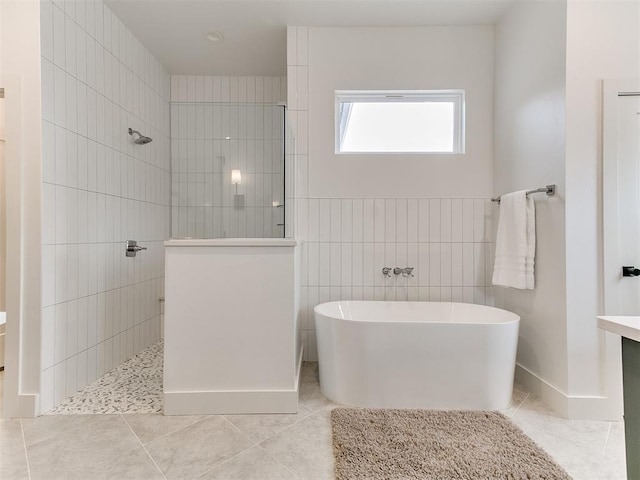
{"type": "Point", "coordinates": [515, 242]}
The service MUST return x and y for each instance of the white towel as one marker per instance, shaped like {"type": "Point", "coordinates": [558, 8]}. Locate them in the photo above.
{"type": "Point", "coordinates": [516, 241]}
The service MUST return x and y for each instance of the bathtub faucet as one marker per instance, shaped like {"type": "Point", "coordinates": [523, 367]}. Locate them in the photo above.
{"type": "Point", "coordinates": [406, 272]}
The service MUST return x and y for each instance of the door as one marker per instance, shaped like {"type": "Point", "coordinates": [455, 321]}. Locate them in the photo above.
{"type": "Point", "coordinates": [621, 197]}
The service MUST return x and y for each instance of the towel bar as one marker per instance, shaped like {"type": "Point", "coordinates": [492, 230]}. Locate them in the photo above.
{"type": "Point", "coordinates": [549, 190]}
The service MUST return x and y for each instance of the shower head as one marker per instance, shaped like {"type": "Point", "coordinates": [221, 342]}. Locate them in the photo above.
{"type": "Point", "coordinates": [141, 140]}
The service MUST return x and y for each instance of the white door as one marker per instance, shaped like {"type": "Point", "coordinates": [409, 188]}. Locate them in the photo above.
{"type": "Point", "coordinates": [621, 196]}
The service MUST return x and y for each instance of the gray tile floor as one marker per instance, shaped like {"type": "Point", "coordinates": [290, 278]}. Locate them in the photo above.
{"type": "Point", "coordinates": [261, 447]}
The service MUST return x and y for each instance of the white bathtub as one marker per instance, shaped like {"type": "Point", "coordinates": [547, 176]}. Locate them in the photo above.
{"type": "Point", "coordinates": [416, 354]}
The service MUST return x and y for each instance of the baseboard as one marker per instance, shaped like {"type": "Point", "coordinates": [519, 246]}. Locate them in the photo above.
{"type": "Point", "coordinates": [569, 406]}
{"type": "Point", "coordinates": [548, 393]}
{"type": "Point", "coordinates": [231, 402]}
{"type": "Point", "coordinates": [299, 368]}
{"type": "Point", "coordinates": [26, 406]}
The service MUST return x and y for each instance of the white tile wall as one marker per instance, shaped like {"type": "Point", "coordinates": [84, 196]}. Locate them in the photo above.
{"type": "Point", "coordinates": [99, 189]}
{"type": "Point", "coordinates": [205, 111]}
{"type": "Point", "coordinates": [347, 241]}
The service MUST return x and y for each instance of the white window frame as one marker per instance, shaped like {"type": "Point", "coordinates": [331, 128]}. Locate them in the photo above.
{"type": "Point", "coordinates": [457, 97]}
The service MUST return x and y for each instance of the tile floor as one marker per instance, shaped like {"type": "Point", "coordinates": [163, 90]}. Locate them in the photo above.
{"type": "Point", "coordinates": [135, 386]}
{"type": "Point", "coordinates": [261, 447]}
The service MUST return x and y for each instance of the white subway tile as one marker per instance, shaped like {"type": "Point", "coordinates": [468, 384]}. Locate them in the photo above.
{"type": "Point", "coordinates": [456, 264]}
{"type": "Point", "coordinates": [467, 220]}
{"type": "Point", "coordinates": [379, 220]}
{"type": "Point", "coordinates": [59, 382]}
{"type": "Point", "coordinates": [479, 264]}
{"type": "Point", "coordinates": [434, 220]}
{"type": "Point", "coordinates": [390, 224]}
{"type": "Point", "coordinates": [423, 220]}
{"type": "Point", "coordinates": [324, 264]}
{"type": "Point", "coordinates": [467, 265]}
{"type": "Point", "coordinates": [478, 220]}
{"type": "Point", "coordinates": [456, 220]}
{"type": "Point", "coordinates": [368, 220]}
{"type": "Point", "coordinates": [324, 231]}
{"type": "Point", "coordinates": [47, 385]}
{"type": "Point", "coordinates": [59, 41]}
{"type": "Point", "coordinates": [368, 265]}
{"type": "Point", "coordinates": [48, 275]}
{"type": "Point", "coordinates": [70, 46]}
{"type": "Point", "coordinates": [336, 220]}
{"type": "Point", "coordinates": [357, 257]}
{"type": "Point", "coordinates": [48, 91]}
{"type": "Point", "coordinates": [379, 261]}
{"type": "Point", "coordinates": [60, 97]}
{"type": "Point", "coordinates": [434, 294]}
{"type": "Point", "coordinates": [446, 264]}
{"type": "Point", "coordinates": [60, 340]}
{"type": "Point", "coordinates": [346, 227]}
{"type": "Point", "coordinates": [336, 264]}
{"type": "Point", "coordinates": [303, 88]}
{"type": "Point", "coordinates": [314, 264]}
{"type": "Point", "coordinates": [423, 264]}
{"type": "Point", "coordinates": [434, 264]}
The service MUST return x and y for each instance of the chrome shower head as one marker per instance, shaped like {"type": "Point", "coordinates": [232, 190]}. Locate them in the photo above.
{"type": "Point", "coordinates": [141, 140]}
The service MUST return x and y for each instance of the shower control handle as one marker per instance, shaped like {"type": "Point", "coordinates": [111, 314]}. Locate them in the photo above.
{"type": "Point", "coordinates": [386, 271]}
{"type": "Point", "coordinates": [133, 248]}
{"type": "Point", "coordinates": [405, 272]}
{"type": "Point", "coordinates": [630, 271]}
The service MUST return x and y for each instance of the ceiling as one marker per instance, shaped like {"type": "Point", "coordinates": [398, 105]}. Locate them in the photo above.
{"type": "Point", "coordinates": [255, 30]}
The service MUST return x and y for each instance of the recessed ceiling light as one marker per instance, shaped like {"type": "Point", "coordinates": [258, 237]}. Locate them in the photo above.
{"type": "Point", "coordinates": [214, 36]}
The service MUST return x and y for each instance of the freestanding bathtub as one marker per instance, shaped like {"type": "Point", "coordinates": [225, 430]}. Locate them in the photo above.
{"type": "Point", "coordinates": [416, 354]}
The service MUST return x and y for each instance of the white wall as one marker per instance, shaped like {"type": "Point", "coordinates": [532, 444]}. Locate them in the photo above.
{"type": "Point", "coordinates": [357, 214]}
{"type": "Point", "coordinates": [603, 42]}
{"type": "Point", "coordinates": [433, 58]}
{"type": "Point", "coordinates": [99, 189]}
{"type": "Point", "coordinates": [205, 111]}
{"type": "Point", "coordinates": [530, 153]}
{"type": "Point", "coordinates": [3, 214]}
{"type": "Point", "coordinates": [20, 76]}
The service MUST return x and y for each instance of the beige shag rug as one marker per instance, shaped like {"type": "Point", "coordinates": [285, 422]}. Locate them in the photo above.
{"type": "Point", "coordinates": [439, 445]}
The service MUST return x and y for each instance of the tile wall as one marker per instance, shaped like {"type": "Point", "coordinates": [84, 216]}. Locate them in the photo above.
{"type": "Point", "coordinates": [99, 189]}
{"type": "Point", "coordinates": [220, 124]}
{"type": "Point", "coordinates": [347, 241]}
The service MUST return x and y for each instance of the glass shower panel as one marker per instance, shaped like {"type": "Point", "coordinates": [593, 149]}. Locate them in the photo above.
{"type": "Point", "coordinates": [209, 141]}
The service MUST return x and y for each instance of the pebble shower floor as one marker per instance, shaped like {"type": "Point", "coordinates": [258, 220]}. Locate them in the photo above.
{"type": "Point", "coordinates": [133, 387]}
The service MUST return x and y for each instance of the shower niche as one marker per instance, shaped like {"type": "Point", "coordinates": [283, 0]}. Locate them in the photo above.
{"type": "Point", "coordinates": [228, 170]}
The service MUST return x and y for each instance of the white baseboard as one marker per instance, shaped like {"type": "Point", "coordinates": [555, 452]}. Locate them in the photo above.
{"type": "Point", "coordinates": [228, 402]}
{"type": "Point", "coordinates": [231, 402]}
{"type": "Point", "coordinates": [573, 407]}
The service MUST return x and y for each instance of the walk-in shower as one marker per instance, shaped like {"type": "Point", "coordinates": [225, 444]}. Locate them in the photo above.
{"type": "Point", "coordinates": [228, 170]}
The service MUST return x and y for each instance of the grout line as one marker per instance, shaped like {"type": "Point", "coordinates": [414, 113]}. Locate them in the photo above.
{"type": "Point", "coordinates": [224, 417]}
{"type": "Point", "coordinates": [520, 404]}
{"type": "Point", "coordinates": [143, 446]}
{"type": "Point", "coordinates": [606, 441]}
{"type": "Point", "coordinates": [278, 462]}
{"type": "Point", "coordinates": [24, 444]}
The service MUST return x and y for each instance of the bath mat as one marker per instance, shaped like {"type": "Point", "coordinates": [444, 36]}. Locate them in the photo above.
{"type": "Point", "coordinates": [432, 444]}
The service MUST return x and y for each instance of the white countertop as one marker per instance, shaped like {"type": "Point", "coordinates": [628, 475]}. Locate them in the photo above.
{"type": "Point", "coordinates": [231, 242]}
{"type": "Point", "coordinates": [626, 326]}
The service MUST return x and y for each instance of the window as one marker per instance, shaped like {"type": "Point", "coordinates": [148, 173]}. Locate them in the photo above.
{"type": "Point", "coordinates": [392, 121]}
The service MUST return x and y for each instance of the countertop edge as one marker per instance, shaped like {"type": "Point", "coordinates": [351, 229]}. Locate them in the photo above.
{"type": "Point", "coordinates": [615, 325]}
